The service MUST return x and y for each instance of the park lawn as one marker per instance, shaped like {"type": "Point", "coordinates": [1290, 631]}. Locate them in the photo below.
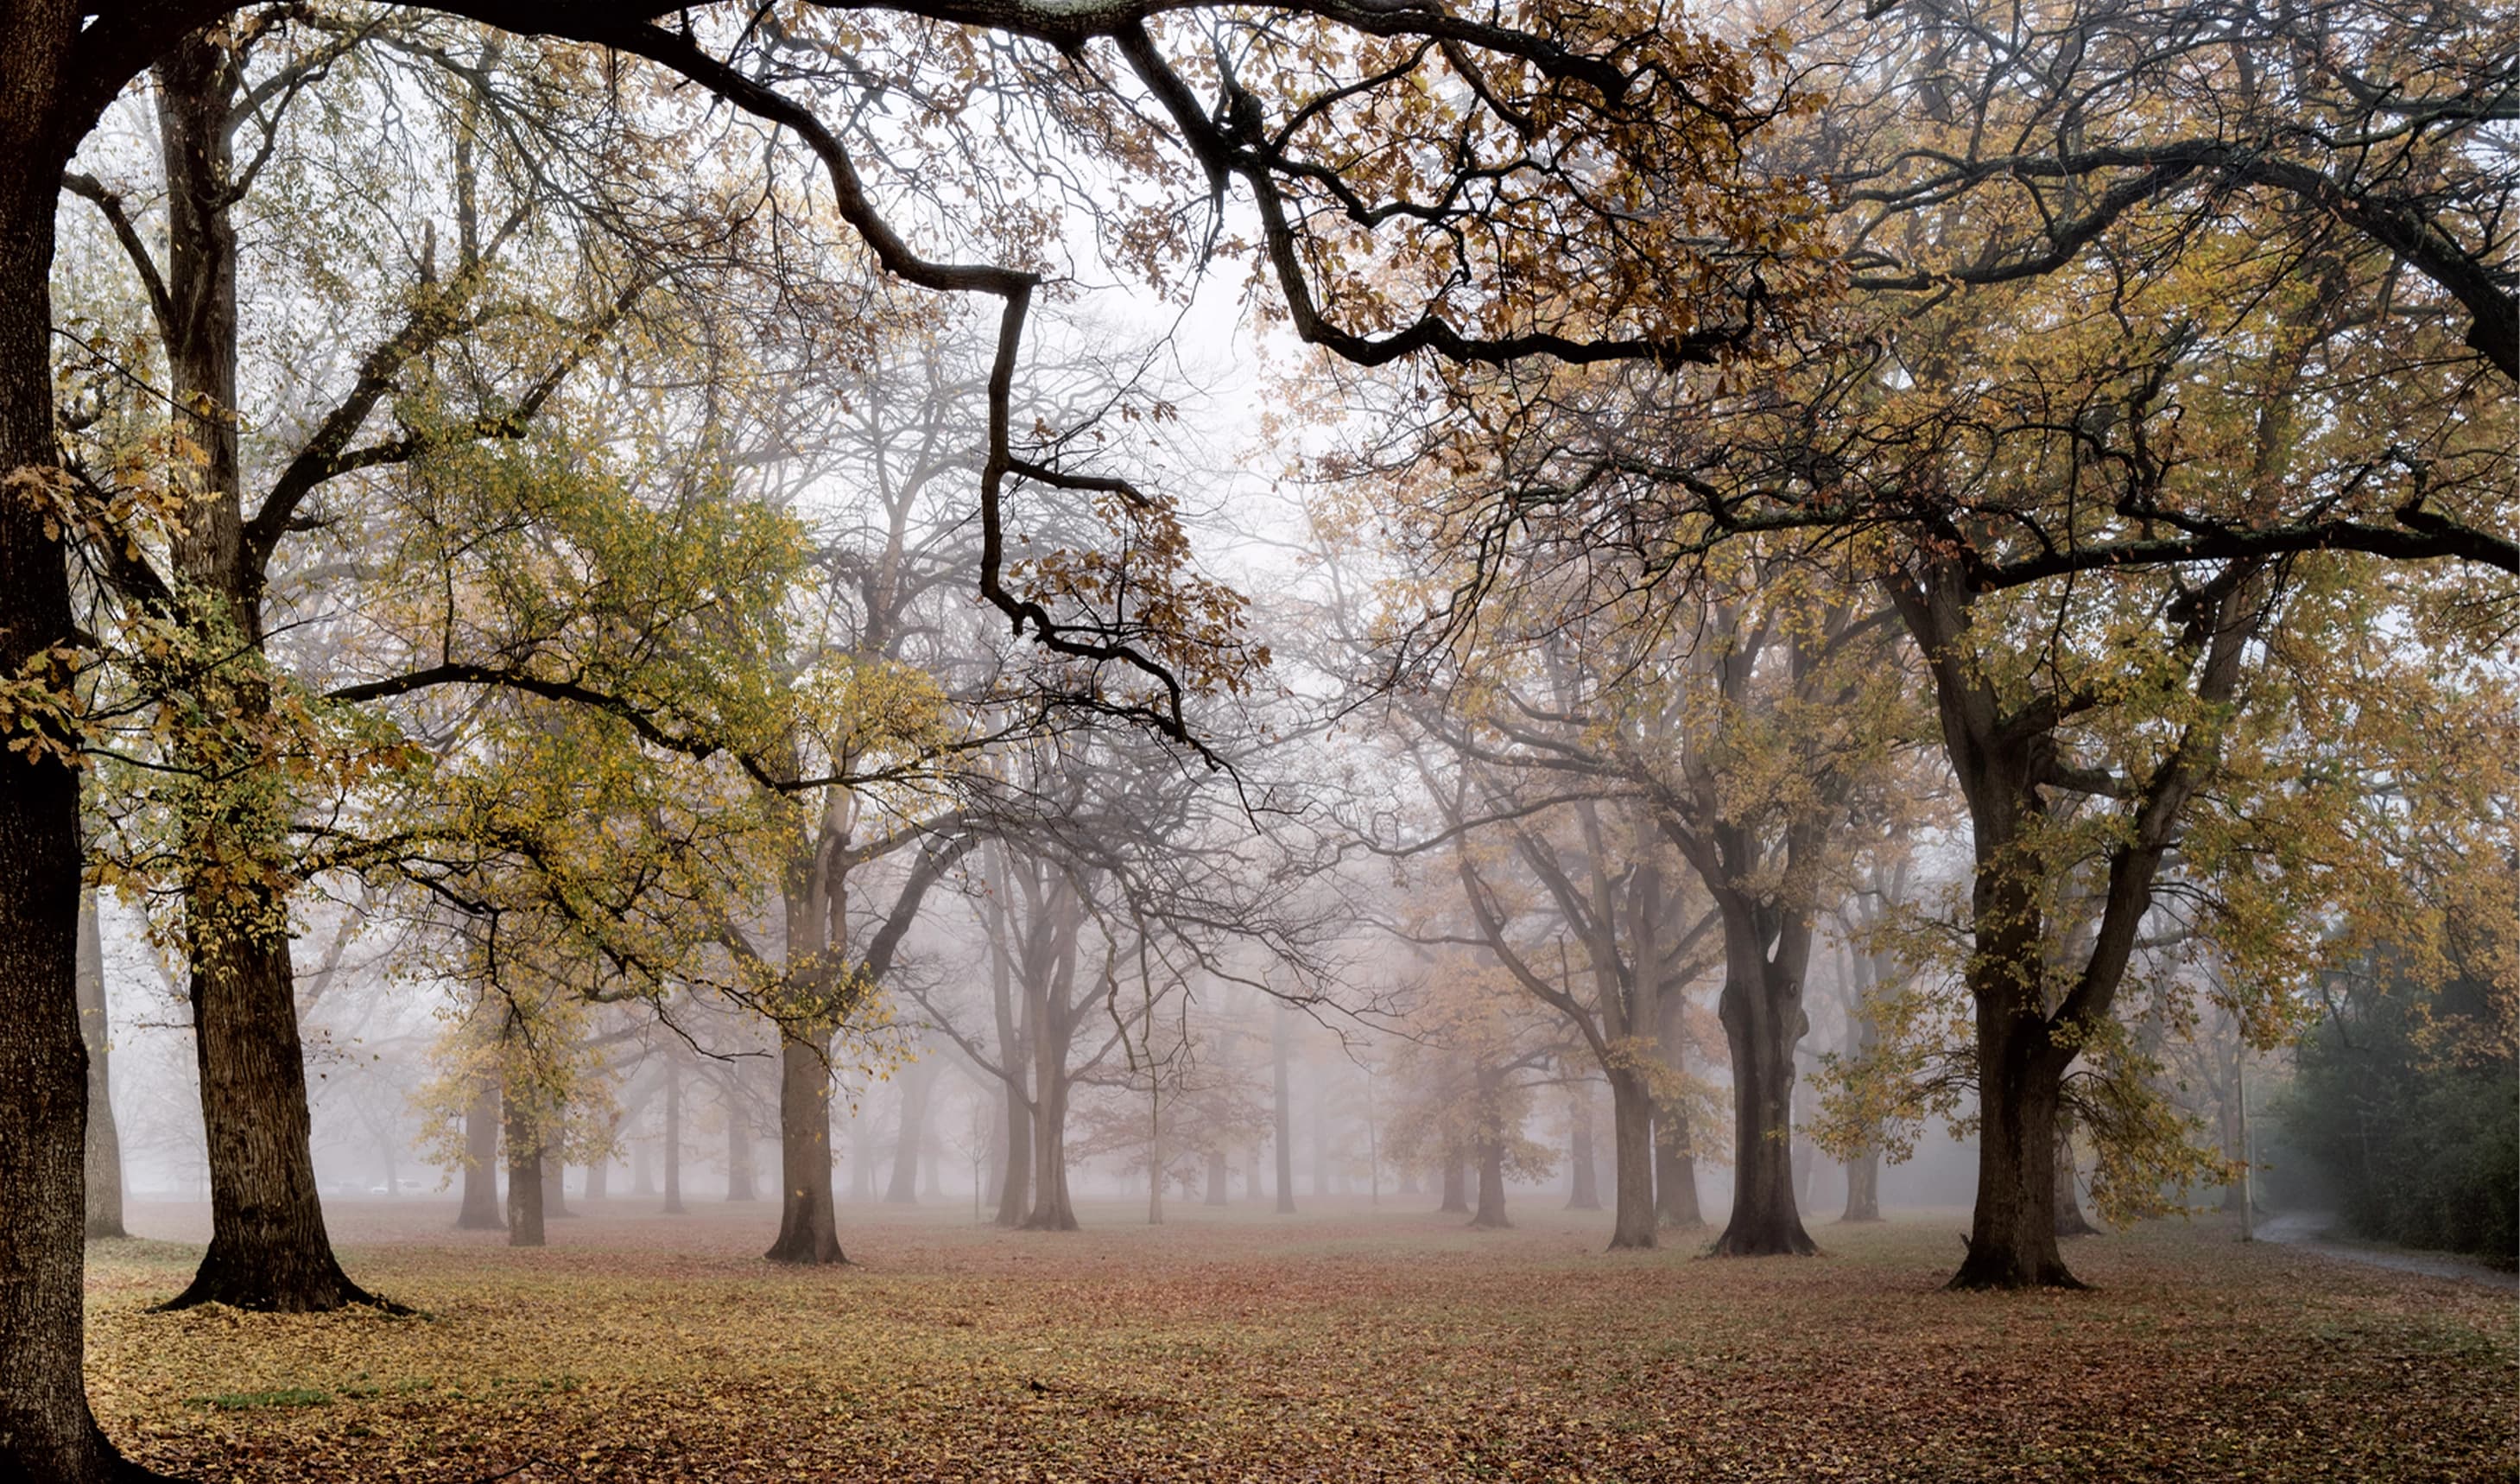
{"type": "Point", "coordinates": [1361, 1345]}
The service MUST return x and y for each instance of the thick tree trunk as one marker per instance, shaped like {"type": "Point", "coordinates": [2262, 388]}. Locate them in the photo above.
{"type": "Point", "coordinates": [104, 1145]}
{"type": "Point", "coordinates": [1864, 1186]}
{"type": "Point", "coordinates": [1763, 1018]}
{"type": "Point", "coordinates": [525, 1178]}
{"type": "Point", "coordinates": [1490, 1216]}
{"type": "Point", "coordinates": [2013, 1234]}
{"type": "Point", "coordinates": [1632, 1152]}
{"type": "Point", "coordinates": [1051, 1208]}
{"type": "Point", "coordinates": [674, 1143]}
{"type": "Point", "coordinates": [1014, 1187]}
{"type": "Point", "coordinates": [268, 1248]}
{"type": "Point", "coordinates": [47, 1434]}
{"type": "Point", "coordinates": [555, 1183]}
{"type": "Point", "coordinates": [917, 1084]}
{"type": "Point", "coordinates": [480, 1210]}
{"type": "Point", "coordinates": [1283, 1129]}
{"type": "Point", "coordinates": [1674, 1163]}
{"type": "Point", "coordinates": [1219, 1173]}
{"type": "Point", "coordinates": [809, 1229]}
{"type": "Point", "coordinates": [1457, 1187]}
{"type": "Point", "coordinates": [1584, 1180]}
{"type": "Point", "coordinates": [599, 1177]}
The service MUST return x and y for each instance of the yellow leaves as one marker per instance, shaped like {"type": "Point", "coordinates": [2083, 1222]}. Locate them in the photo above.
{"type": "Point", "coordinates": [862, 708]}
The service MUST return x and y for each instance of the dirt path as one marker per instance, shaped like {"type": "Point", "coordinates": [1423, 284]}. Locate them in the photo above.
{"type": "Point", "coordinates": [2309, 1229]}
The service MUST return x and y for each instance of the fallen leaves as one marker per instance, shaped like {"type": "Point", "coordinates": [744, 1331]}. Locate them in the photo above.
{"type": "Point", "coordinates": [1355, 1347]}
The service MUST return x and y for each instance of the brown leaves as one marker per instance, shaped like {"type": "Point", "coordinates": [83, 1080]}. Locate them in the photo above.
{"type": "Point", "coordinates": [1387, 1346]}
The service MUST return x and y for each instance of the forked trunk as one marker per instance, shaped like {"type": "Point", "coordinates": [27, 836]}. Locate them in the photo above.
{"type": "Point", "coordinates": [104, 1145]}
{"type": "Point", "coordinates": [1762, 1022]}
{"type": "Point", "coordinates": [1050, 1209]}
{"type": "Point", "coordinates": [809, 1229]}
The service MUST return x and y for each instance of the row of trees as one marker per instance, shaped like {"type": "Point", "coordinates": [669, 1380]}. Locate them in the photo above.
{"type": "Point", "coordinates": [420, 462]}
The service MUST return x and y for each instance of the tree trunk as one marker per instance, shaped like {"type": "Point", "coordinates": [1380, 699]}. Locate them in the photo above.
{"type": "Point", "coordinates": [1014, 1188]}
{"type": "Point", "coordinates": [47, 1433]}
{"type": "Point", "coordinates": [1632, 1153]}
{"type": "Point", "coordinates": [1457, 1187]}
{"type": "Point", "coordinates": [1864, 1186]}
{"type": "Point", "coordinates": [1283, 1132]}
{"type": "Point", "coordinates": [1583, 1180]}
{"type": "Point", "coordinates": [104, 1146]}
{"type": "Point", "coordinates": [480, 1211]}
{"type": "Point", "coordinates": [1674, 1172]}
{"type": "Point", "coordinates": [268, 1246]}
{"type": "Point", "coordinates": [2069, 1218]}
{"type": "Point", "coordinates": [1763, 1018]}
{"type": "Point", "coordinates": [1490, 1216]}
{"type": "Point", "coordinates": [555, 1181]}
{"type": "Point", "coordinates": [809, 1229]}
{"type": "Point", "coordinates": [1051, 1208]}
{"type": "Point", "coordinates": [741, 1184]}
{"type": "Point", "coordinates": [674, 1141]}
{"type": "Point", "coordinates": [915, 1085]}
{"type": "Point", "coordinates": [525, 1178]}
{"type": "Point", "coordinates": [1219, 1170]}
{"type": "Point", "coordinates": [599, 1177]}
{"type": "Point", "coordinates": [2012, 1232]}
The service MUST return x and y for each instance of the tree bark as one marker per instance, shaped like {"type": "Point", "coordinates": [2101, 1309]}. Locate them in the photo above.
{"type": "Point", "coordinates": [809, 1227]}
{"type": "Point", "coordinates": [1632, 1152]}
{"type": "Point", "coordinates": [1014, 1187]}
{"type": "Point", "coordinates": [1762, 1010]}
{"type": "Point", "coordinates": [1218, 1174]}
{"type": "Point", "coordinates": [1675, 1162]}
{"type": "Point", "coordinates": [1490, 1216]}
{"type": "Point", "coordinates": [1457, 1187]}
{"type": "Point", "coordinates": [525, 1176]}
{"type": "Point", "coordinates": [917, 1083]}
{"type": "Point", "coordinates": [47, 1433]}
{"type": "Point", "coordinates": [268, 1249]}
{"type": "Point", "coordinates": [1583, 1180]}
{"type": "Point", "coordinates": [104, 1145]}
{"type": "Point", "coordinates": [674, 1141]}
{"type": "Point", "coordinates": [1864, 1186]}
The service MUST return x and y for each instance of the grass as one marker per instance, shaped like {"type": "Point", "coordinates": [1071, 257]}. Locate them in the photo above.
{"type": "Point", "coordinates": [1360, 1346]}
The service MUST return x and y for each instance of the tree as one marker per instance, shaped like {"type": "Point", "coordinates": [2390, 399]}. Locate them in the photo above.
{"type": "Point", "coordinates": [1670, 125]}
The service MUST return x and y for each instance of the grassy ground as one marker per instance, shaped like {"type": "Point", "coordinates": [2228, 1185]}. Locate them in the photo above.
{"type": "Point", "coordinates": [1359, 1345]}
